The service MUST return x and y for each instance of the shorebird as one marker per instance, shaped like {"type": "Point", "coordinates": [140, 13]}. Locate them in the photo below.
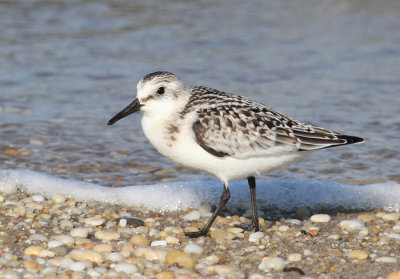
{"type": "Point", "coordinates": [226, 135]}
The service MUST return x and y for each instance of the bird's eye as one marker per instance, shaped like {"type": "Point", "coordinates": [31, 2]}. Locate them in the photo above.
{"type": "Point", "coordinates": [161, 90]}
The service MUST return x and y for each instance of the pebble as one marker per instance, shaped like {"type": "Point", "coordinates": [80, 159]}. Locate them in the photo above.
{"type": "Point", "coordinates": [222, 236]}
{"type": "Point", "coordinates": [165, 275]}
{"type": "Point", "coordinates": [358, 254]}
{"type": "Point", "coordinates": [222, 269]}
{"type": "Point", "coordinates": [158, 243]}
{"type": "Point", "coordinates": [79, 232]}
{"type": "Point", "coordinates": [66, 239]}
{"type": "Point", "coordinates": [367, 218]}
{"type": "Point", "coordinates": [114, 257]}
{"type": "Point", "coordinates": [86, 255]}
{"type": "Point", "coordinates": [58, 198]}
{"type": "Point", "coordinates": [107, 235]}
{"type": "Point", "coordinates": [294, 257]}
{"type": "Point", "coordinates": [320, 218]}
{"type": "Point", "coordinates": [391, 216]}
{"type": "Point", "coordinates": [192, 216]}
{"type": "Point", "coordinates": [256, 236]}
{"type": "Point", "coordinates": [33, 250]}
{"type": "Point", "coordinates": [180, 258]}
{"type": "Point", "coordinates": [193, 248]}
{"type": "Point", "coordinates": [38, 237]}
{"type": "Point", "coordinates": [94, 221]}
{"type": "Point", "coordinates": [151, 254]}
{"type": "Point", "coordinates": [103, 248]}
{"type": "Point", "coordinates": [139, 240]}
{"type": "Point", "coordinates": [77, 266]}
{"type": "Point", "coordinates": [54, 243]}
{"type": "Point", "coordinates": [273, 263]}
{"type": "Point", "coordinates": [386, 260]}
{"type": "Point", "coordinates": [128, 268]}
{"type": "Point", "coordinates": [352, 225]}
{"type": "Point", "coordinates": [37, 198]}
{"type": "Point", "coordinates": [393, 275]}
{"type": "Point", "coordinates": [171, 240]}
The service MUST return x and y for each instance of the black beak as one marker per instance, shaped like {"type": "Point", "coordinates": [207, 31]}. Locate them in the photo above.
{"type": "Point", "coordinates": [131, 108]}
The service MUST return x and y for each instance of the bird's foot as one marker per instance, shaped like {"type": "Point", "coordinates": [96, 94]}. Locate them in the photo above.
{"type": "Point", "coordinates": [253, 226]}
{"type": "Point", "coordinates": [196, 234]}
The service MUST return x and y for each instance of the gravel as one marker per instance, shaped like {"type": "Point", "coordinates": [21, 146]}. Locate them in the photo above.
{"type": "Point", "coordinates": [63, 238]}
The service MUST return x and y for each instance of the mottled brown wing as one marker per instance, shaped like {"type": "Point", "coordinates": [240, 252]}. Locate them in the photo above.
{"type": "Point", "coordinates": [254, 130]}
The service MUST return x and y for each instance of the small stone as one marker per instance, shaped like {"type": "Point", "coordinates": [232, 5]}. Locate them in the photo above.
{"type": "Point", "coordinates": [235, 230]}
{"type": "Point", "coordinates": [394, 236]}
{"type": "Point", "coordinates": [54, 243]}
{"type": "Point", "coordinates": [30, 264]}
{"type": "Point", "coordinates": [367, 218]}
{"type": "Point", "coordinates": [151, 254]}
{"type": "Point", "coordinates": [107, 235]}
{"type": "Point", "coordinates": [79, 232]}
{"type": "Point", "coordinates": [58, 198]}
{"type": "Point", "coordinates": [37, 198]}
{"type": "Point", "coordinates": [192, 216]}
{"type": "Point", "coordinates": [293, 221]}
{"type": "Point", "coordinates": [46, 254]}
{"type": "Point", "coordinates": [358, 254]}
{"type": "Point", "coordinates": [165, 275]}
{"type": "Point", "coordinates": [103, 248]}
{"type": "Point", "coordinates": [172, 240]}
{"type": "Point", "coordinates": [139, 240]}
{"type": "Point", "coordinates": [94, 221]}
{"type": "Point", "coordinates": [391, 216]}
{"type": "Point", "coordinates": [320, 218]}
{"type": "Point", "coordinates": [274, 263]}
{"type": "Point", "coordinates": [352, 225]}
{"type": "Point", "coordinates": [334, 236]}
{"type": "Point", "coordinates": [393, 275]}
{"type": "Point", "coordinates": [86, 255]}
{"type": "Point", "coordinates": [38, 237]}
{"type": "Point", "coordinates": [256, 236]}
{"type": "Point", "coordinates": [307, 252]}
{"type": "Point", "coordinates": [77, 266]}
{"type": "Point", "coordinates": [396, 228]}
{"type": "Point", "coordinates": [386, 260]}
{"type": "Point", "coordinates": [222, 269]}
{"type": "Point", "coordinates": [66, 224]}
{"type": "Point", "coordinates": [283, 228]}
{"type": "Point", "coordinates": [158, 243]}
{"type": "Point", "coordinates": [294, 257]}
{"type": "Point", "coordinates": [33, 251]}
{"type": "Point", "coordinates": [128, 268]}
{"type": "Point", "coordinates": [193, 248]}
{"type": "Point", "coordinates": [222, 236]}
{"type": "Point", "coordinates": [66, 239]}
{"type": "Point", "coordinates": [180, 258]}
{"type": "Point", "coordinates": [114, 257]}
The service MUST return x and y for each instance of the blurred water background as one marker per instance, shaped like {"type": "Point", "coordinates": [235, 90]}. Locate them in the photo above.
{"type": "Point", "coordinates": [68, 66]}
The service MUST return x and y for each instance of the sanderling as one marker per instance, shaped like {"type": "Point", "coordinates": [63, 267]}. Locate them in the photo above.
{"type": "Point", "coordinates": [223, 134]}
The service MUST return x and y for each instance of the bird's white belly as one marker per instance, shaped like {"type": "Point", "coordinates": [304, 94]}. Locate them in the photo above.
{"type": "Point", "coordinates": [186, 151]}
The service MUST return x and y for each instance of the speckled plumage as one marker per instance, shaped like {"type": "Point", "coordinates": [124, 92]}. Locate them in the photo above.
{"type": "Point", "coordinates": [223, 134]}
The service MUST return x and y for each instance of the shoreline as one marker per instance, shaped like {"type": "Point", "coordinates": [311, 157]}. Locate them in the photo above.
{"type": "Point", "coordinates": [63, 238]}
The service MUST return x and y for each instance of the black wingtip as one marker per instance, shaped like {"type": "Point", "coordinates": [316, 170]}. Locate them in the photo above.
{"type": "Point", "coordinates": [351, 139]}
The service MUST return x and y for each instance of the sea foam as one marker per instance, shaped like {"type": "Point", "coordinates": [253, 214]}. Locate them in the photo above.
{"type": "Point", "coordinates": [285, 194]}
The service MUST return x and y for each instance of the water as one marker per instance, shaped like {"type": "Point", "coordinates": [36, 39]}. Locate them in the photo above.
{"type": "Point", "coordinates": [68, 66]}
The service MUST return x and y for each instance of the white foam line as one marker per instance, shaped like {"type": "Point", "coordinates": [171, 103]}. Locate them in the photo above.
{"type": "Point", "coordinates": [285, 194]}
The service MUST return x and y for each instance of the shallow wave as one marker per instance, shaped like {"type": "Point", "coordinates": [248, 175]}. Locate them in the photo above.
{"type": "Point", "coordinates": [284, 194]}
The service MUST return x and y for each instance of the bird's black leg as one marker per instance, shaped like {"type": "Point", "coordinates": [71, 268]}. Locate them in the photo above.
{"type": "Point", "coordinates": [224, 199]}
{"type": "Point", "coordinates": [254, 218]}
